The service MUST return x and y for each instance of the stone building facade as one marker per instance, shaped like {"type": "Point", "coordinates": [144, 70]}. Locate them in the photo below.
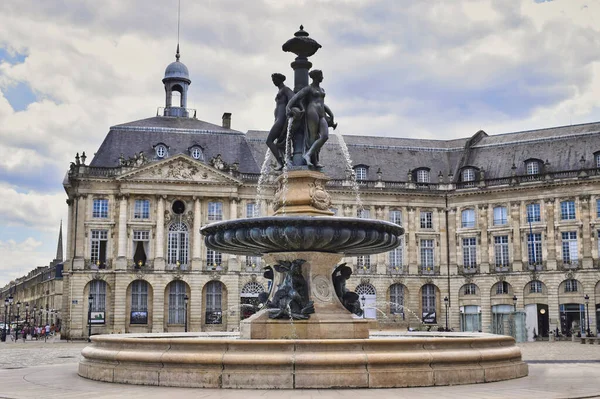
{"type": "Point", "coordinates": [493, 224]}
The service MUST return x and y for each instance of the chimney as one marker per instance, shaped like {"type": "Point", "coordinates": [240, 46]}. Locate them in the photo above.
{"type": "Point", "coordinates": [227, 120]}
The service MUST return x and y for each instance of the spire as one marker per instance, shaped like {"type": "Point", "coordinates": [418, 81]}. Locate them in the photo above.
{"type": "Point", "coordinates": [59, 248]}
{"type": "Point", "coordinates": [178, 23]}
{"type": "Point", "coordinates": [177, 53]}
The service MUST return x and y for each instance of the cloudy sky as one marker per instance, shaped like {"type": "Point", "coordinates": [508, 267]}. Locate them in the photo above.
{"type": "Point", "coordinates": [443, 69]}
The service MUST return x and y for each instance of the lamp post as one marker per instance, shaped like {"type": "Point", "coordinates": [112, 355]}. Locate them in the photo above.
{"type": "Point", "coordinates": [364, 301]}
{"type": "Point", "coordinates": [34, 311]}
{"type": "Point", "coordinates": [90, 299]}
{"type": "Point", "coordinates": [515, 302]}
{"type": "Point", "coordinates": [185, 305]}
{"type": "Point", "coordinates": [27, 313]}
{"type": "Point", "coordinates": [587, 311]}
{"type": "Point", "coordinates": [47, 311]}
{"type": "Point", "coordinates": [446, 303]}
{"type": "Point", "coordinates": [17, 325]}
{"type": "Point", "coordinates": [5, 319]}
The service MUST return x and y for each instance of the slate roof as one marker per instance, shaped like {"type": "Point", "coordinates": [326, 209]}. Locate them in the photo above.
{"type": "Point", "coordinates": [561, 146]}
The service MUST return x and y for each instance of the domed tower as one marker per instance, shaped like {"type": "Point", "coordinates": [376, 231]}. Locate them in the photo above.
{"type": "Point", "coordinates": [176, 80]}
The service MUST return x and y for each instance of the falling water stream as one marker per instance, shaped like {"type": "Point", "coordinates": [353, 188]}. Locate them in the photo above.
{"type": "Point", "coordinates": [350, 170]}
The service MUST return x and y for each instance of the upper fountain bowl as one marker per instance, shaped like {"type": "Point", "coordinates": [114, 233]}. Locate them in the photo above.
{"type": "Point", "coordinates": [256, 236]}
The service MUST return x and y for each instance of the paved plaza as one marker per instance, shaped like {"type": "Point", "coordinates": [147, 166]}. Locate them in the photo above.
{"type": "Point", "coordinates": [49, 370]}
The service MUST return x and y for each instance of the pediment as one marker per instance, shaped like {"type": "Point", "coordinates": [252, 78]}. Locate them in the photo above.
{"type": "Point", "coordinates": [180, 169]}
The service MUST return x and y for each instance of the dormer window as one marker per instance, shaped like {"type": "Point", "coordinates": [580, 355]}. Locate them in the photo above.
{"type": "Point", "coordinates": [196, 153]}
{"type": "Point", "coordinates": [423, 176]}
{"type": "Point", "coordinates": [361, 173]}
{"type": "Point", "coordinates": [533, 167]}
{"type": "Point", "coordinates": [597, 157]}
{"type": "Point", "coordinates": [161, 151]}
{"type": "Point", "coordinates": [468, 175]}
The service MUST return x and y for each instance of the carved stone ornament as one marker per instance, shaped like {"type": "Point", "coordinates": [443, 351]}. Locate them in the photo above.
{"type": "Point", "coordinates": [365, 280]}
{"type": "Point", "coordinates": [253, 277]}
{"type": "Point", "coordinates": [570, 275]}
{"type": "Point", "coordinates": [215, 276]}
{"type": "Point", "coordinates": [428, 280]}
{"type": "Point", "coordinates": [291, 299]}
{"type": "Point", "coordinates": [500, 278]}
{"type": "Point", "coordinates": [398, 280]}
{"type": "Point", "coordinates": [320, 198]}
{"type": "Point", "coordinates": [181, 170]}
{"type": "Point", "coordinates": [320, 288]}
{"type": "Point", "coordinates": [97, 276]}
{"type": "Point", "coordinates": [136, 160]}
{"type": "Point", "coordinates": [468, 279]}
{"type": "Point", "coordinates": [188, 217]}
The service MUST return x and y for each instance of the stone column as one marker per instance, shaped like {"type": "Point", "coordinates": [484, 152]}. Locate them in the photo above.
{"type": "Point", "coordinates": [586, 233]}
{"type": "Point", "coordinates": [411, 243]}
{"type": "Point", "coordinates": [120, 305]}
{"type": "Point", "coordinates": [550, 234]}
{"type": "Point", "coordinates": [486, 307]}
{"type": "Point", "coordinates": [196, 236]}
{"type": "Point", "coordinates": [80, 235]}
{"type": "Point", "coordinates": [159, 259]}
{"type": "Point", "coordinates": [233, 209]}
{"type": "Point", "coordinates": [484, 241]}
{"type": "Point", "coordinates": [515, 219]}
{"type": "Point", "coordinates": [121, 263]}
{"type": "Point", "coordinates": [443, 243]}
{"type": "Point", "coordinates": [158, 308]}
{"type": "Point", "coordinates": [452, 216]}
{"type": "Point", "coordinates": [69, 236]}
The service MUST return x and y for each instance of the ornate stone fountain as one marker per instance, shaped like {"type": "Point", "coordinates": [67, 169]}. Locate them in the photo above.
{"type": "Point", "coordinates": [306, 335]}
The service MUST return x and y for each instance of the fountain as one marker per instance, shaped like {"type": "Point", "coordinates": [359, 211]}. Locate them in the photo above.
{"type": "Point", "coordinates": [306, 335]}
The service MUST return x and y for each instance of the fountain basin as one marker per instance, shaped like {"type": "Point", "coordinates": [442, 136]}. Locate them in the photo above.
{"type": "Point", "coordinates": [222, 361]}
{"type": "Point", "coordinates": [257, 236]}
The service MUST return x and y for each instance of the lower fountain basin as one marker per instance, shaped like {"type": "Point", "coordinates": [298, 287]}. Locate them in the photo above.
{"type": "Point", "coordinates": [257, 236]}
{"type": "Point", "coordinates": [223, 361]}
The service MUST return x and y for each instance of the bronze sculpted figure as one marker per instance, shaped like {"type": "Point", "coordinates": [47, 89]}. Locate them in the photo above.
{"type": "Point", "coordinates": [290, 300]}
{"type": "Point", "coordinates": [348, 298]}
{"type": "Point", "coordinates": [317, 117]}
{"type": "Point", "coordinates": [277, 135]}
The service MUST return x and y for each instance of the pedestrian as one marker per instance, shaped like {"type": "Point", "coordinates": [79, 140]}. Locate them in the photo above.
{"type": "Point", "coordinates": [47, 332]}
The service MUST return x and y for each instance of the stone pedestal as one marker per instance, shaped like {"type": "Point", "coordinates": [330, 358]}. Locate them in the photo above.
{"type": "Point", "coordinates": [302, 192]}
{"type": "Point", "coordinates": [330, 320]}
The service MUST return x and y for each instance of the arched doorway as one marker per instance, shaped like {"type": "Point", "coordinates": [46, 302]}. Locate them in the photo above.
{"type": "Point", "coordinates": [535, 298]}
{"type": "Point", "coordinates": [469, 298]}
{"type": "Point", "coordinates": [214, 306]}
{"type": "Point", "coordinates": [503, 309]}
{"type": "Point", "coordinates": [397, 294]}
{"type": "Point", "coordinates": [429, 304]}
{"type": "Point", "coordinates": [249, 299]}
{"type": "Point", "coordinates": [175, 311]}
{"type": "Point", "coordinates": [571, 307]}
{"type": "Point", "coordinates": [139, 306]}
{"type": "Point", "coordinates": [368, 300]}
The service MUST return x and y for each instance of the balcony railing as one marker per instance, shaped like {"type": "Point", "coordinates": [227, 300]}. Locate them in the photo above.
{"type": "Point", "coordinates": [253, 267]}
{"type": "Point", "coordinates": [97, 265]}
{"type": "Point", "coordinates": [429, 270]}
{"type": "Point", "coordinates": [395, 270]}
{"type": "Point", "coordinates": [570, 265]}
{"type": "Point", "coordinates": [471, 269]}
{"type": "Point", "coordinates": [536, 267]}
{"type": "Point", "coordinates": [502, 268]}
{"type": "Point", "coordinates": [174, 267]}
{"type": "Point", "coordinates": [148, 266]}
{"type": "Point", "coordinates": [212, 265]}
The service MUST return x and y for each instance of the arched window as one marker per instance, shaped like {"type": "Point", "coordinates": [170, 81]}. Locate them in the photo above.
{"type": "Point", "coordinates": [161, 151]}
{"type": "Point", "coordinates": [196, 153]}
{"type": "Point", "coordinates": [470, 289]}
{"type": "Point", "coordinates": [177, 250]}
{"type": "Point", "coordinates": [571, 285]}
{"type": "Point", "coordinates": [468, 175]}
{"type": "Point", "coordinates": [397, 299]}
{"type": "Point", "coordinates": [428, 304]}
{"type": "Point", "coordinates": [368, 298]}
{"type": "Point", "coordinates": [535, 287]}
{"type": "Point", "coordinates": [249, 298]}
{"type": "Point", "coordinates": [361, 173]}
{"type": "Point", "coordinates": [533, 167]}
{"type": "Point", "coordinates": [502, 288]}
{"type": "Point", "coordinates": [139, 302]}
{"type": "Point", "coordinates": [177, 292]}
{"type": "Point", "coordinates": [214, 311]}
{"type": "Point", "coordinates": [98, 309]}
{"type": "Point", "coordinates": [423, 176]}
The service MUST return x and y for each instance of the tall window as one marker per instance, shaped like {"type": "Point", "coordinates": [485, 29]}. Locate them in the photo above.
{"type": "Point", "coordinates": [571, 285]}
{"type": "Point", "coordinates": [363, 263]}
{"type": "Point", "coordinates": [177, 291]}
{"type": "Point", "coordinates": [98, 292]}
{"type": "Point", "coordinates": [535, 287]}
{"type": "Point", "coordinates": [533, 213]}
{"type": "Point", "coordinates": [597, 160]}
{"type": "Point", "coordinates": [100, 208]}
{"type": "Point", "coordinates": [253, 263]}
{"type": "Point", "coordinates": [141, 209]}
{"type": "Point", "coordinates": [470, 252]}
{"type": "Point", "coordinates": [363, 213]}
{"type": "Point", "coordinates": [428, 304]}
{"type": "Point", "coordinates": [361, 173]}
{"type": "Point", "coordinates": [598, 208]}
{"type": "Point", "coordinates": [502, 288]}
{"type": "Point", "coordinates": [397, 299]}
{"type": "Point", "coordinates": [534, 248]}
{"type": "Point", "coordinates": [500, 216]}
{"type": "Point", "coordinates": [470, 289]}
{"type": "Point", "coordinates": [98, 245]}
{"type": "Point", "coordinates": [567, 210]}
{"type": "Point", "coordinates": [533, 167]}
{"type": "Point", "coordinates": [396, 259]}
{"type": "Point", "coordinates": [178, 244]}
{"type": "Point", "coordinates": [214, 259]}
{"type": "Point", "coordinates": [141, 244]}
{"type": "Point", "coordinates": [427, 260]}
{"type": "Point", "coordinates": [214, 312]}
{"type": "Point", "coordinates": [396, 217]}
{"type": "Point", "coordinates": [468, 218]}
{"type": "Point", "coordinates": [252, 210]}
{"type": "Point", "coordinates": [569, 247]}
{"type": "Point", "coordinates": [426, 220]}
{"type": "Point", "coordinates": [215, 211]}
{"type": "Point", "coordinates": [139, 302]}
{"type": "Point", "coordinates": [423, 176]}
{"type": "Point", "coordinates": [501, 251]}
{"type": "Point", "coordinates": [468, 175]}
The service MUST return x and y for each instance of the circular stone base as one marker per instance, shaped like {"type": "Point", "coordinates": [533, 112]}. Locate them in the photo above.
{"type": "Point", "coordinates": [222, 361]}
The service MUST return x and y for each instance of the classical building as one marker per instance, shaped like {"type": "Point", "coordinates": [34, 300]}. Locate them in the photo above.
{"type": "Point", "coordinates": [493, 224]}
{"type": "Point", "coordinates": [37, 297]}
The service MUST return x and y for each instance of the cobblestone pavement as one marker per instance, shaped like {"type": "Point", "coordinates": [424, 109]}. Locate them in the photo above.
{"type": "Point", "coordinates": [15, 355]}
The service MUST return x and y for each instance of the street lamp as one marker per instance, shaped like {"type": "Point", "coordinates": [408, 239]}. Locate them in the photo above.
{"type": "Point", "coordinates": [185, 302]}
{"type": "Point", "coordinates": [17, 327]}
{"type": "Point", "coordinates": [515, 302]}
{"type": "Point", "coordinates": [446, 303]}
{"type": "Point", "coordinates": [364, 301]}
{"type": "Point", "coordinates": [587, 311]}
{"type": "Point", "coordinates": [47, 311]}
{"type": "Point", "coordinates": [34, 311]}
{"type": "Point", "coordinates": [5, 315]}
{"type": "Point", "coordinates": [27, 313]}
{"type": "Point", "coordinates": [90, 299]}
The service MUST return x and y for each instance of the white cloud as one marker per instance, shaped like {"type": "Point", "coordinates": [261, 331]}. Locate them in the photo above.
{"type": "Point", "coordinates": [18, 258]}
{"type": "Point", "coordinates": [32, 209]}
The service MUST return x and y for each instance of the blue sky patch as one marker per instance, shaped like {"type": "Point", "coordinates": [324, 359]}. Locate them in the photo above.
{"type": "Point", "coordinates": [19, 96]}
{"type": "Point", "coordinates": [11, 57]}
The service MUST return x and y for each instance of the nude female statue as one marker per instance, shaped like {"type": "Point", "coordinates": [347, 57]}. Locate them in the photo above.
{"type": "Point", "coordinates": [276, 138]}
{"type": "Point", "coordinates": [318, 117]}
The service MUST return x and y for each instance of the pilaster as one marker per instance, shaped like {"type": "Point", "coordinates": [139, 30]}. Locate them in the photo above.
{"type": "Point", "coordinates": [121, 263]}
{"type": "Point", "coordinates": [196, 236]}
{"type": "Point", "coordinates": [515, 219]}
{"type": "Point", "coordinates": [159, 260]}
